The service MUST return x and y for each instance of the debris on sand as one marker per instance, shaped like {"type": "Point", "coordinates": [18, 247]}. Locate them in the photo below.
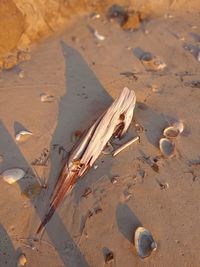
{"type": "Point", "coordinates": [152, 63]}
{"type": "Point", "coordinates": [87, 192]}
{"type": "Point", "coordinates": [124, 146]}
{"type": "Point", "coordinates": [98, 35]}
{"type": "Point", "coordinates": [112, 123]}
{"type": "Point", "coordinates": [23, 135]}
{"type": "Point", "coordinates": [109, 257]}
{"type": "Point", "coordinates": [22, 261]}
{"type": "Point", "coordinates": [193, 84]}
{"type": "Point", "coordinates": [144, 242]}
{"type": "Point", "coordinates": [11, 176]}
{"type": "Point", "coordinates": [45, 98]}
{"type": "Point", "coordinates": [127, 19]}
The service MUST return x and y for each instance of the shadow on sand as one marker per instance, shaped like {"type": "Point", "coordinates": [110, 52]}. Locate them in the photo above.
{"type": "Point", "coordinates": [84, 100]}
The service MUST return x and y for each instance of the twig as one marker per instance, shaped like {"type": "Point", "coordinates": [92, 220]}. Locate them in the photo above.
{"type": "Point", "coordinates": [121, 148]}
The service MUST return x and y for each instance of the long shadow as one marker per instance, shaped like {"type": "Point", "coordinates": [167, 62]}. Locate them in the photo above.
{"type": "Point", "coordinates": [84, 100]}
{"type": "Point", "coordinates": [127, 221]}
{"type": "Point", "coordinates": [14, 158]}
{"type": "Point", "coordinates": [8, 255]}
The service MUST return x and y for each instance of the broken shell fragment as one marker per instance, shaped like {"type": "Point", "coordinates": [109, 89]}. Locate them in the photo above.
{"type": "Point", "coordinates": [152, 63]}
{"type": "Point", "coordinates": [99, 36]}
{"type": "Point", "coordinates": [23, 135]}
{"type": "Point", "coordinates": [22, 261]}
{"type": "Point", "coordinates": [144, 242]}
{"type": "Point", "coordinates": [167, 147]}
{"type": "Point", "coordinates": [45, 98]}
{"type": "Point", "coordinates": [171, 132]}
{"type": "Point", "coordinates": [13, 175]}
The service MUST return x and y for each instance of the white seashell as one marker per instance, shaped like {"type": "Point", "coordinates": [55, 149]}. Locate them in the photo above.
{"type": "Point", "coordinates": [179, 125]}
{"type": "Point", "coordinates": [99, 36]}
{"type": "Point", "coordinates": [45, 98]}
{"type": "Point", "coordinates": [22, 134]}
{"type": "Point", "coordinates": [144, 242]}
{"type": "Point", "coordinates": [166, 147]}
{"type": "Point", "coordinates": [13, 175]}
{"type": "Point", "coordinates": [22, 261]}
{"type": "Point", "coordinates": [171, 132]}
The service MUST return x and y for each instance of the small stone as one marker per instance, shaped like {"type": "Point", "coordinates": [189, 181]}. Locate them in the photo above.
{"type": "Point", "coordinates": [13, 175]}
{"type": "Point", "coordinates": [22, 261]}
{"type": "Point", "coordinates": [45, 98]}
{"type": "Point", "coordinates": [95, 167]}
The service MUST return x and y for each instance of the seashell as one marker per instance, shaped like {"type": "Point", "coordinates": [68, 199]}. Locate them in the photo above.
{"type": "Point", "coordinates": [99, 36]}
{"type": "Point", "coordinates": [22, 261]}
{"type": "Point", "coordinates": [171, 132]}
{"type": "Point", "coordinates": [23, 135]}
{"type": "Point", "coordinates": [144, 242]}
{"type": "Point", "coordinates": [13, 175]}
{"type": "Point", "coordinates": [152, 63]}
{"type": "Point", "coordinates": [45, 98]}
{"type": "Point", "coordinates": [167, 147]}
{"type": "Point", "coordinates": [179, 125]}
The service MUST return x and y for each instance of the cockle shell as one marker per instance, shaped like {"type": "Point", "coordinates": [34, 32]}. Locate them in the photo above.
{"type": "Point", "coordinates": [144, 242]}
{"type": "Point", "coordinates": [13, 175]}
{"type": "Point", "coordinates": [22, 135]}
{"type": "Point", "coordinates": [171, 132]}
{"type": "Point", "coordinates": [167, 147]}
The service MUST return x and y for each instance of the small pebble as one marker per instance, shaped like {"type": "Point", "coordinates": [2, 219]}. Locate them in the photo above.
{"type": "Point", "coordinates": [22, 261]}
{"type": "Point", "coordinates": [95, 167]}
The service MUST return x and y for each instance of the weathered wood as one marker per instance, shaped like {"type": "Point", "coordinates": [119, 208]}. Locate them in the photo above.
{"type": "Point", "coordinates": [112, 123]}
{"type": "Point", "coordinates": [124, 146]}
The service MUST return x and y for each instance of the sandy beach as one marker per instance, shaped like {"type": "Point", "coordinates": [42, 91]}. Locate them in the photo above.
{"type": "Point", "coordinates": [84, 75]}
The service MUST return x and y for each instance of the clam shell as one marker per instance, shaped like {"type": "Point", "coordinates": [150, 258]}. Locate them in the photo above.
{"type": "Point", "coordinates": [22, 135]}
{"type": "Point", "coordinates": [179, 125]}
{"type": "Point", "coordinates": [171, 132]}
{"type": "Point", "coordinates": [167, 147]}
{"type": "Point", "coordinates": [13, 175]}
{"type": "Point", "coordinates": [144, 242]}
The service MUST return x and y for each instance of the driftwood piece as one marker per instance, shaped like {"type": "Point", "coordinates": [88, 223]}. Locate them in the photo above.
{"type": "Point", "coordinates": [114, 122]}
{"type": "Point", "coordinates": [124, 146]}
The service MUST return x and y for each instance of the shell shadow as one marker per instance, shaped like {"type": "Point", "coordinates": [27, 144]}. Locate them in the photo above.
{"type": "Point", "coordinates": [8, 255]}
{"type": "Point", "coordinates": [127, 221]}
